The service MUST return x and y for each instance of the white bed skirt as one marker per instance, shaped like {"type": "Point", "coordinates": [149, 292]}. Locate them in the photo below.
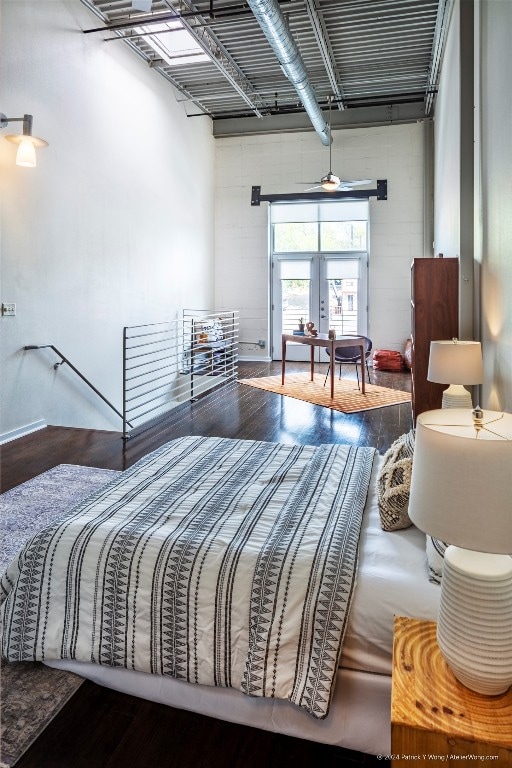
{"type": "Point", "coordinates": [359, 716]}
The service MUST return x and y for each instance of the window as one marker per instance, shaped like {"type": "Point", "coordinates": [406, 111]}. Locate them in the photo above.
{"type": "Point", "coordinates": [295, 236]}
{"type": "Point", "coordinates": [176, 47]}
{"type": "Point", "coordinates": [328, 227]}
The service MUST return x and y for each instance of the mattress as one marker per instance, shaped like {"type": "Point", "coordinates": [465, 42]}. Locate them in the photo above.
{"type": "Point", "coordinates": [392, 580]}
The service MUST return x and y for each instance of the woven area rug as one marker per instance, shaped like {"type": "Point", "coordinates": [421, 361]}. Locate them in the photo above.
{"type": "Point", "coordinates": [347, 397]}
{"type": "Point", "coordinates": [33, 694]}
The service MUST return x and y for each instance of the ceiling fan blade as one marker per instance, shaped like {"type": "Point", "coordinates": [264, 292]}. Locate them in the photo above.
{"type": "Point", "coordinates": [356, 182]}
{"type": "Point", "coordinates": [310, 189]}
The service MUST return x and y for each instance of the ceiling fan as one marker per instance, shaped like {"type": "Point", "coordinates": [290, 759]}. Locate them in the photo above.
{"type": "Point", "coordinates": [330, 182]}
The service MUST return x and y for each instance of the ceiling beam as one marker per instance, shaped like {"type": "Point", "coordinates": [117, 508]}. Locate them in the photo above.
{"type": "Point", "coordinates": [356, 117]}
{"type": "Point", "coordinates": [444, 12]}
{"type": "Point", "coordinates": [324, 46]}
{"type": "Point", "coordinates": [205, 38]}
{"type": "Point", "coordinates": [380, 192]}
{"type": "Point", "coordinates": [220, 57]}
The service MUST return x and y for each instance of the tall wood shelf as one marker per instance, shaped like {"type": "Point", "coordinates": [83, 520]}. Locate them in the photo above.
{"type": "Point", "coordinates": [434, 316]}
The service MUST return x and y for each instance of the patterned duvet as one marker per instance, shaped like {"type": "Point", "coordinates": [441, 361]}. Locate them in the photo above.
{"type": "Point", "coordinates": [220, 562]}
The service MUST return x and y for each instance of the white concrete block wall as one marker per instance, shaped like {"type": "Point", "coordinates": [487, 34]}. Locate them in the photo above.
{"type": "Point", "coordinates": [108, 230]}
{"type": "Point", "coordinates": [279, 163]}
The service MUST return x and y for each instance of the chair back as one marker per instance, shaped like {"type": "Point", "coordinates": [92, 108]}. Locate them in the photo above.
{"type": "Point", "coordinates": [352, 354]}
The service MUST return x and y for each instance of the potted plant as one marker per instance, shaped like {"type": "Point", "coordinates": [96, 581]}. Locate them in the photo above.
{"type": "Point", "coordinates": [301, 324]}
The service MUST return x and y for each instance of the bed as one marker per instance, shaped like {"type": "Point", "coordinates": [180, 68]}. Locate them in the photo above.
{"type": "Point", "coordinates": [244, 580]}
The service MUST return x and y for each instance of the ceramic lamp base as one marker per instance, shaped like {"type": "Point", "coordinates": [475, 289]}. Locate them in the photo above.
{"type": "Point", "coordinates": [474, 630]}
{"type": "Point", "coordinates": [457, 396]}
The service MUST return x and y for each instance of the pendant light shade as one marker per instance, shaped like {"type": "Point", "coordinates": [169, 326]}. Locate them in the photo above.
{"type": "Point", "coordinates": [26, 155]}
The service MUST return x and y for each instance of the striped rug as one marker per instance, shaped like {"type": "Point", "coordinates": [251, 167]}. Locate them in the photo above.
{"type": "Point", "coordinates": [347, 397]}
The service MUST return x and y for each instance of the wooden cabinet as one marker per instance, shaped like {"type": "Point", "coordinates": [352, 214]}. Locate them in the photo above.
{"type": "Point", "coordinates": [434, 316]}
{"type": "Point", "coordinates": [434, 718]}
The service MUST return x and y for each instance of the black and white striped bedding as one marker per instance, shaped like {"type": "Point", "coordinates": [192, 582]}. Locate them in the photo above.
{"type": "Point", "coordinates": [220, 562]}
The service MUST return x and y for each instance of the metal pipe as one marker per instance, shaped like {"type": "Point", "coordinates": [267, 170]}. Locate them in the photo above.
{"type": "Point", "coordinates": [148, 373]}
{"type": "Point", "coordinates": [274, 26]}
{"type": "Point", "coordinates": [154, 351]}
{"type": "Point", "coordinates": [149, 343]}
{"type": "Point", "coordinates": [146, 383]}
{"type": "Point", "coordinates": [160, 18]}
{"type": "Point", "coordinates": [146, 402]}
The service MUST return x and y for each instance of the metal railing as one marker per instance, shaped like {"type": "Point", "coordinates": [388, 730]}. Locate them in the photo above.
{"type": "Point", "coordinates": [64, 359]}
{"type": "Point", "coordinates": [167, 364]}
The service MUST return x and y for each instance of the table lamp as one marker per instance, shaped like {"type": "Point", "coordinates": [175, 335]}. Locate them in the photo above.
{"type": "Point", "coordinates": [456, 363]}
{"type": "Point", "coordinates": [461, 493]}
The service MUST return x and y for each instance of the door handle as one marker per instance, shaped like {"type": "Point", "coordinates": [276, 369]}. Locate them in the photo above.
{"type": "Point", "coordinates": [323, 317]}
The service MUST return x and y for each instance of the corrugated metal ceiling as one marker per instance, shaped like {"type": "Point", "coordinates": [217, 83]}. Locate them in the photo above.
{"type": "Point", "coordinates": [364, 53]}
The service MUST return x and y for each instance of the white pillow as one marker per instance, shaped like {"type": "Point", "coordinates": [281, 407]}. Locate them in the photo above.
{"type": "Point", "coordinates": [213, 330]}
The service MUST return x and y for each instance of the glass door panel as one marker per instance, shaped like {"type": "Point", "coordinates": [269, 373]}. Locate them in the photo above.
{"type": "Point", "coordinates": [294, 286]}
{"type": "Point", "coordinates": [330, 290]}
{"type": "Point", "coordinates": [295, 294]}
{"type": "Point", "coordinates": [344, 295]}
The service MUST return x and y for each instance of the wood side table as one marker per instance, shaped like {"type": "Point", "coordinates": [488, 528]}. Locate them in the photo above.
{"type": "Point", "coordinates": [322, 340]}
{"type": "Point", "coordinates": [436, 719]}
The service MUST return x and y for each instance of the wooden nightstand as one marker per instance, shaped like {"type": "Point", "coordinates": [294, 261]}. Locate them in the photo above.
{"type": "Point", "coordinates": [433, 714]}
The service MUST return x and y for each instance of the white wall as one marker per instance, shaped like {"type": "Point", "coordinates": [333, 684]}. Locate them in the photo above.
{"type": "Point", "coordinates": [107, 231]}
{"type": "Point", "coordinates": [447, 130]}
{"type": "Point", "coordinates": [492, 181]}
{"type": "Point", "coordinates": [496, 191]}
{"type": "Point", "coordinates": [277, 162]}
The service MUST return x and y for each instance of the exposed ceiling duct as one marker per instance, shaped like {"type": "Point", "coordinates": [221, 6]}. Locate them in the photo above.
{"type": "Point", "coordinates": [275, 28]}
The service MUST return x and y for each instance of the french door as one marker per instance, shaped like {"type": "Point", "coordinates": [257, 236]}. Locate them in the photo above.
{"type": "Point", "coordinates": [328, 289]}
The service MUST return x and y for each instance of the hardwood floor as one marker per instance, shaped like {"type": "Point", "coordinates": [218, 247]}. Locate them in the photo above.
{"type": "Point", "coordinates": [99, 728]}
{"type": "Point", "coordinates": [236, 411]}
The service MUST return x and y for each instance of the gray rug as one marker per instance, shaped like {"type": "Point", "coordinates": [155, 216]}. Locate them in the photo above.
{"type": "Point", "coordinates": [33, 694]}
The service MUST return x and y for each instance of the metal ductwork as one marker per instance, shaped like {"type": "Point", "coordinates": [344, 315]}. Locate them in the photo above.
{"type": "Point", "coordinates": [275, 28]}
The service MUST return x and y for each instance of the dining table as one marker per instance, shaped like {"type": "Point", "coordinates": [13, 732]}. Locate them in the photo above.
{"type": "Point", "coordinates": [332, 344]}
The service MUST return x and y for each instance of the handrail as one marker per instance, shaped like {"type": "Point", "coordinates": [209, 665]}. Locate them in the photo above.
{"type": "Point", "coordinates": [64, 359]}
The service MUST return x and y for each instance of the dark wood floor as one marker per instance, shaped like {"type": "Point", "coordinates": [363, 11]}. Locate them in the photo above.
{"type": "Point", "coordinates": [236, 411]}
{"type": "Point", "coordinates": [99, 728]}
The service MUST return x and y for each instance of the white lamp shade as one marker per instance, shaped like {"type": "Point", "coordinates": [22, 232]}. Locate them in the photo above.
{"type": "Point", "coordinates": [455, 362]}
{"type": "Point", "coordinates": [461, 484]}
{"type": "Point", "coordinates": [26, 154]}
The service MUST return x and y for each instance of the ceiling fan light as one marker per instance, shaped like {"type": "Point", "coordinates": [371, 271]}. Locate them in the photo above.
{"type": "Point", "coordinates": [330, 182]}
{"type": "Point", "coordinates": [26, 154]}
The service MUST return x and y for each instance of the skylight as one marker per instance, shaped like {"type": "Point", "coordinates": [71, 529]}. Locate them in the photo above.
{"type": "Point", "coordinates": [177, 47]}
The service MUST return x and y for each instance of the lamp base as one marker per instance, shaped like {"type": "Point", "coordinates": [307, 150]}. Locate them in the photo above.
{"type": "Point", "coordinates": [474, 629]}
{"type": "Point", "coordinates": [457, 396]}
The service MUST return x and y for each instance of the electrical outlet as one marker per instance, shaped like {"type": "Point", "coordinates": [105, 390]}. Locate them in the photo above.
{"type": "Point", "coordinates": [8, 310]}
{"type": "Point", "coordinates": [261, 343]}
